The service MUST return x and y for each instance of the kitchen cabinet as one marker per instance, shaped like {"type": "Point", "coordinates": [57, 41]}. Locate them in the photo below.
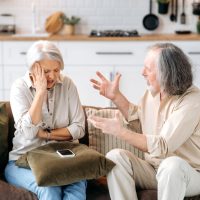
{"type": "Point", "coordinates": [132, 83]}
{"type": "Point", "coordinates": [192, 49]}
{"type": "Point", "coordinates": [104, 53]}
{"type": "Point", "coordinates": [1, 72]}
{"type": "Point", "coordinates": [14, 52]}
{"type": "Point", "coordinates": [14, 63]}
{"type": "Point", "coordinates": [81, 77]}
{"type": "Point", "coordinates": [1, 52]}
{"type": "Point", "coordinates": [11, 73]}
{"type": "Point", "coordinates": [83, 59]}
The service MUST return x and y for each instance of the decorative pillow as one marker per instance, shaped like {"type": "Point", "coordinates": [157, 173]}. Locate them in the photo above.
{"type": "Point", "coordinates": [102, 142]}
{"type": "Point", "coordinates": [3, 136]}
{"type": "Point", "coordinates": [52, 170]}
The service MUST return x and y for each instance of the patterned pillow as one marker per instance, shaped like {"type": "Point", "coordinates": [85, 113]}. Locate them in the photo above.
{"type": "Point", "coordinates": [104, 142]}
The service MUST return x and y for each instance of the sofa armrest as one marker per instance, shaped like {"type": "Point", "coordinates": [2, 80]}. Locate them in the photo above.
{"type": "Point", "coordinates": [10, 192]}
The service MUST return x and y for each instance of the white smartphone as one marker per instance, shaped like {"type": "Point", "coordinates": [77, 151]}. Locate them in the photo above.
{"type": "Point", "coordinates": [65, 153]}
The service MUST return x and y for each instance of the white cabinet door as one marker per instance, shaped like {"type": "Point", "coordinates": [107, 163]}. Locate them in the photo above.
{"type": "Point", "coordinates": [83, 59]}
{"type": "Point", "coordinates": [196, 75]}
{"type": "Point", "coordinates": [104, 53]}
{"type": "Point", "coordinates": [132, 83]}
{"type": "Point", "coordinates": [14, 62]}
{"type": "Point", "coordinates": [1, 77]}
{"type": "Point", "coordinates": [11, 73]}
{"type": "Point", "coordinates": [15, 52]}
{"type": "Point", "coordinates": [1, 73]}
{"type": "Point", "coordinates": [81, 77]}
{"type": "Point", "coordinates": [6, 95]}
{"type": "Point", "coordinates": [2, 95]}
{"type": "Point", "coordinates": [192, 49]}
{"type": "Point", "coordinates": [1, 53]}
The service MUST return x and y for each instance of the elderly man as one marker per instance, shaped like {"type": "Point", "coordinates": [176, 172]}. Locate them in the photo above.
{"type": "Point", "coordinates": [169, 113]}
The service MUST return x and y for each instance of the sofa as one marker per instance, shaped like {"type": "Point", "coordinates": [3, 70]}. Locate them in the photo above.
{"type": "Point", "coordinates": [97, 189]}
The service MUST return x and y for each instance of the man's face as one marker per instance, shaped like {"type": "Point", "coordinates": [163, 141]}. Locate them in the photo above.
{"type": "Point", "coordinates": [149, 71]}
{"type": "Point", "coordinates": [52, 71]}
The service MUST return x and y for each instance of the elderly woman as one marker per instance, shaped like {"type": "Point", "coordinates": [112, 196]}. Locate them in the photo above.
{"type": "Point", "coordinates": [46, 108]}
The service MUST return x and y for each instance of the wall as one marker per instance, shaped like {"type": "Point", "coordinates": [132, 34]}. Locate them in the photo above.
{"type": "Point", "coordinates": [96, 14]}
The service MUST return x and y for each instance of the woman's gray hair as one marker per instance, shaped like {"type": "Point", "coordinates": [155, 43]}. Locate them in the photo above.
{"type": "Point", "coordinates": [42, 50]}
{"type": "Point", "coordinates": [174, 69]}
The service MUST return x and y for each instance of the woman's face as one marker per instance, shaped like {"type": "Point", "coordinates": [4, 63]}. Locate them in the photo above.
{"type": "Point", "coordinates": [51, 70]}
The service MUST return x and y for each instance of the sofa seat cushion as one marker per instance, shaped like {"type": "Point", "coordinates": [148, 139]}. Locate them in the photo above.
{"type": "Point", "coordinates": [152, 195]}
{"type": "Point", "coordinates": [97, 189]}
{"type": "Point", "coordinates": [147, 194]}
{"type": "Point", "coordinates": [9, 192]}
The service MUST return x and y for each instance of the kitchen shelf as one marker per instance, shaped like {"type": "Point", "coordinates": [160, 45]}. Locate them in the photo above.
{"type": "Point", "coordinates": [147, 37]}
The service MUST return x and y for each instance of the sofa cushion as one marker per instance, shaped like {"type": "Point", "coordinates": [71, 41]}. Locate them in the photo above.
{"type": "Point", "coordinates": [9, 192]}
{"type": "Point", "coordinates": [87, 164]}
{"type": "Point", "coordinates": [3, 137]}
{"type": "Point", "coordinates": [104, 142]}
{"type": "Point", "coordinates": [97, 189]}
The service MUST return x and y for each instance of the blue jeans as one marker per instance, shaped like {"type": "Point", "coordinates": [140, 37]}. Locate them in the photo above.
{"type": "Point", "coordinates": [24, 178]}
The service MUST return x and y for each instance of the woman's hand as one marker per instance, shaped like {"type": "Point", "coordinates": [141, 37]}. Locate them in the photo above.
{"type": "Point", "coordinates": [59, 134]}
{"type": "Point", "coordinates": [41, 134]}
{"type": "Point", "coordinates": [108, 89]}
{"type": "Point", "coordinates": [111, 126]}
{"type": "Point", "coordinates": [40, 84]}
{"type": "Point", "coordinates": [38, 78]}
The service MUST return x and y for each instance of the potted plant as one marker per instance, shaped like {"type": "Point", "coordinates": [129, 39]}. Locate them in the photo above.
{"type": "Point", "coordinates": [196, 11]}
{"type": "Point", "coordinates": [69, 24]}
{"type": "Point", "coordinates": [163, 6]}
{"type": "Point", "coordinates": [198, 25]}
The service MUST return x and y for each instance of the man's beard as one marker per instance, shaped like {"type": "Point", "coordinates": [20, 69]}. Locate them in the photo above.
{"type": "Point", "coordinates": [151, 89]}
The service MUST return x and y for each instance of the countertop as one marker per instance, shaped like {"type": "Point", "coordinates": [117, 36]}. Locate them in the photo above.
{"type": "Point", "coordinates": [149, 37]}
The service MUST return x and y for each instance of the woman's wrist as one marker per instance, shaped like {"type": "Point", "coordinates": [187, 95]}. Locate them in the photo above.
{"type": "Point", "coordinates": [48, 134]}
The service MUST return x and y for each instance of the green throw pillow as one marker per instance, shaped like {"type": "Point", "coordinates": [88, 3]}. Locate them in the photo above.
{"type": "Point", "coordinates": [52, 170]}
{"type": "Point", "coordinates": [3, 137]}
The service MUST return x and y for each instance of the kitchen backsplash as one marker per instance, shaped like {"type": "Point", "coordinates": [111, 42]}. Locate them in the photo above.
{"type": "Point", "coordinates": [96, 14]}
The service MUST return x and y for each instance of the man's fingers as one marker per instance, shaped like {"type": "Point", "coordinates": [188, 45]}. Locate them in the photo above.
{"type": "Point", "coordinates": [102, 91]}
{"type": "Point", "coordinates": [95, 123]}
{"type": "Point", "coordinates": [95, 82]}
{"type": "Point", "coordinates": [96, 87]}
{"type": "Point", "coordinates": [117, 77]}
{"type": "Point", "coordinates": [101, 76]}
{"type": "Point", "coordinates": [96, 118]}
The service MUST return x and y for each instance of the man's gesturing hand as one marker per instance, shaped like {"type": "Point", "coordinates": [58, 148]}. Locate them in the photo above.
{"type": "Point", "coordinates": [107, 88]}
{"type": "Point", "coordinates": [111, 126]}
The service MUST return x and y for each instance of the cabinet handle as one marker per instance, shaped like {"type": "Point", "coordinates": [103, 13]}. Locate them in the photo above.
{"type": "Point", "coordinates": [194, 53]}
{"type": "Point", "coordinates": [114, 53]}
{"type": "Point", "coordinates": [23, 53]}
